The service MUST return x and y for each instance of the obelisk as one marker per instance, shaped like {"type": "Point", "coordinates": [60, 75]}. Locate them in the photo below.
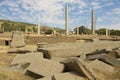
{"type": "Point", "coordinates": [93, 23]}
{"type": "Point", "coordinates": [66, 20]}
{"type": "Point", "coordinates": [38, 27]}
{"type": "Point", "coordinates": [77, 29]}
{"type": "Point", "coordinates": [106, 32]}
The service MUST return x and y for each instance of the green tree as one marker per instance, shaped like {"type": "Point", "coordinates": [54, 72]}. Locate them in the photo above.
{"type": "Point", "coordinates": [83, 30]}
{"type": "Point", "coordinates": [6, 26]}
{"type": "Point", "coordinates": [22, 28]}
{"type": "Point", "coordinates": [115, 32]}
{"type": "Point", "coordinates": [101, 31]}
{"type": "Point", "coordinates": [49, 31]}
{"type": "Point", "coordinates": [34, 29]}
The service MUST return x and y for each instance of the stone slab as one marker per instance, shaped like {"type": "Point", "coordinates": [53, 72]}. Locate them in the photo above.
{"type": "Point", "coordinates": [101, 66]}
{"type": "Point", "coordinates": [45, 78]}
{"type": "Point", "coordinates": [45, 67]}
{"type": "Point", "coordinates": [81, 67]}
{"type": "Point", "coordinates": [71, 50]}
{"type": "Point", "coordinates": [110, 60]}
{"type": "Point", "coordinates": [17, 40]}
{"type": "Point", "coordinates": [19, 50]}
{"type": "Point", "coordinates": [26, 58]}
{"type": "Point", "coordinates": [67, 76]}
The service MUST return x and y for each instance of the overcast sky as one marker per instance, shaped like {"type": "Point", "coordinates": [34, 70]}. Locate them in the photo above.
{"type": "Point", "coordinates": [52, 12]}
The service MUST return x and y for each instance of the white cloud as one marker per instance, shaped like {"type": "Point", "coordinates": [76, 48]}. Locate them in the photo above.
{"type": "Point", "coordinates": [53, 11]}
{"type": "Point", "coordinates": [98, 5]}
{"type": "Point", "coordinates": [99, 19]}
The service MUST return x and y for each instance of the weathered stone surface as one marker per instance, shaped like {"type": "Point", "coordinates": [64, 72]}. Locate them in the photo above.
{"type": "Point", "coordinates": [95, 40]}
{"type": "Point", "coordinates": [83, 56]}
{"type": "Point", "coordinates": [19, 50]}
{"type": "Point", "coordinates": [41, 45]}
{"type": "Point", "coordinates": [76, 49]}
{"type": "Point", "coordinates": [67, 76]}
{"type": "Point", "coordinates": [26, 58]}
{"type": "Point", "coordinates": [112, 54]}
{"type": "Point", "coordinates": [94, 56]}
{"type": "Point", "coordinates": [44, 67]}
{"type": "Point", "coordinates": [45, 78]}
{"type": "Point", "coordinates": [58, 59]}
{"type": "Point", "coordinates": [118, 52]}
{"type": "Point", "coordinates": [110, 60]}
{"type": "Point", "coordinates": [101, 66]}
{"type": "Point", "coordinates": [17, 40]}
{"type": "Point", "coordinates": [80, 67]}
{"type": "Point", "coordinates": [108, 49]}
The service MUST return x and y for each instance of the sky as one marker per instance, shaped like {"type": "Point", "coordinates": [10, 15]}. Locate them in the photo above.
{"type": "Point", "coordinates": [52, 12]}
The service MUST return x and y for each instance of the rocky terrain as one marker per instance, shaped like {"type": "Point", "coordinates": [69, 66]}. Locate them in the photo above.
{"type": "Point", "coordinates": [95, 59]}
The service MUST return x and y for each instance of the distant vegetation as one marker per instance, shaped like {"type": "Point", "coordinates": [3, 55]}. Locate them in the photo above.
{"type": "Point", "coordinates": [8, 26]}
{"type": "Point", "coordinates": [101, 31]}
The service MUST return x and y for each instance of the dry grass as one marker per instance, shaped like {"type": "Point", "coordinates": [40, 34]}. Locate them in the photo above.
{"type": "Point", "coordinates": [13, 76]}
{"type": "Point", "coordinates": [5, 72]}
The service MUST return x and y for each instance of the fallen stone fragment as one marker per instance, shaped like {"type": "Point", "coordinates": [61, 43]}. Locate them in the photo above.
{"type": "Point", "coordinates": [81, 67]}
{"type": "Point", "coordinates": [26, 58]}
{"type": "Point", "coordinates": [112, 54]}
{"type": "Point", "coordinates": [41, 45]}
{"type": "Point", "coordinates": [70, 50]}
{"type": "Point", "coordinates": [108, 49]}
{"type": "Point", "coordinates": [83, 56]}
{"type": "Point", "coordinates": [118, 52]}
{"type": "Point", "coordinates": [17, 40]}
{"type": "Point", "coordinates": [67, 76]}
{"type": "Point", "coordinates": [101, 66]}
{"type": "Point", "coordinates": [110, 60]}
{"type": "Point", "coordinates": [19, 50]}
{"type": "Point", "coordinates": [94, 56]}
{"type": "Point", "coordinates": [58, 59]}
{"type": "Point", "coordinates": [44, 67]}
{"type": "Point", "coordinates": [45, 78]}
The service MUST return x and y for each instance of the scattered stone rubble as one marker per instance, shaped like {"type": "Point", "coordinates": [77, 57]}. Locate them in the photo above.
{"type": "Point", "coordinates": [70, 62]}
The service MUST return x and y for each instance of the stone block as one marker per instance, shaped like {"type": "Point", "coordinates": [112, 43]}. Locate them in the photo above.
{"type": "Point", "coordinates": [67, 50]}
{"type": "Point", "coordinates": [19, 50]}
{"type": "Point", "coordinates": [26, 58]}
{"type": "Point", "coordinates": [80, 67]}
{"type": "Point", "coordinates": [17, 40]}
{"type": "Point", "coordinates": [110, 60]}
{"type": "Point", "coordinates": [67, 76]}
{"type": "Point", "coordinates": [44, 67]}
{"type": "Point", "coordinates": [45, 78]}
{"type": "Point", "coordinates": [101, 66]}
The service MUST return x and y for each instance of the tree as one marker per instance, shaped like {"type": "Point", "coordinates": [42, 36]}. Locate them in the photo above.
{"type": "Point", "coordinates": [34, 29]}
{"type": "Point", "coordinates": [6, 26]}
{"type": "Point", "coordinates": [115, 32]}
{"type": "Point", "coordinates": [83, 30]}
{"type": "Point", "coordinates": [101, 31]}
{"type": "Point", "coordinates": [49, 31]}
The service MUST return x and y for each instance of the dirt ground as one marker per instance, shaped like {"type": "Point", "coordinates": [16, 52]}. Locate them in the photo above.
{"type": "Point", "coordinates": [5, 72]}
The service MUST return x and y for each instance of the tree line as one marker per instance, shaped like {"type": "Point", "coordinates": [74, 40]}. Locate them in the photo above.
{"type": "Point", "coordinates": [101, 31]}
{"type": "Point", "coordinates": [8, 26]}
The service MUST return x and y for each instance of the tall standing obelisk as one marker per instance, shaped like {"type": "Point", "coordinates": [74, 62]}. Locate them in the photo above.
{"type": "Point", "coordinates": [66, 20]}
{"type": "Point", "coordinates": [38, 27]}
{"type": "Point", "coordinates": [93, 23]}
{"type": "Point", "coordinates": [106, 32]}
{"type": "Point", "coordinates": [77, 29]}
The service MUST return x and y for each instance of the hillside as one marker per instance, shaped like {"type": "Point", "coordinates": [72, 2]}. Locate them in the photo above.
{"type": "Point", "coordinates": [8, 26]}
